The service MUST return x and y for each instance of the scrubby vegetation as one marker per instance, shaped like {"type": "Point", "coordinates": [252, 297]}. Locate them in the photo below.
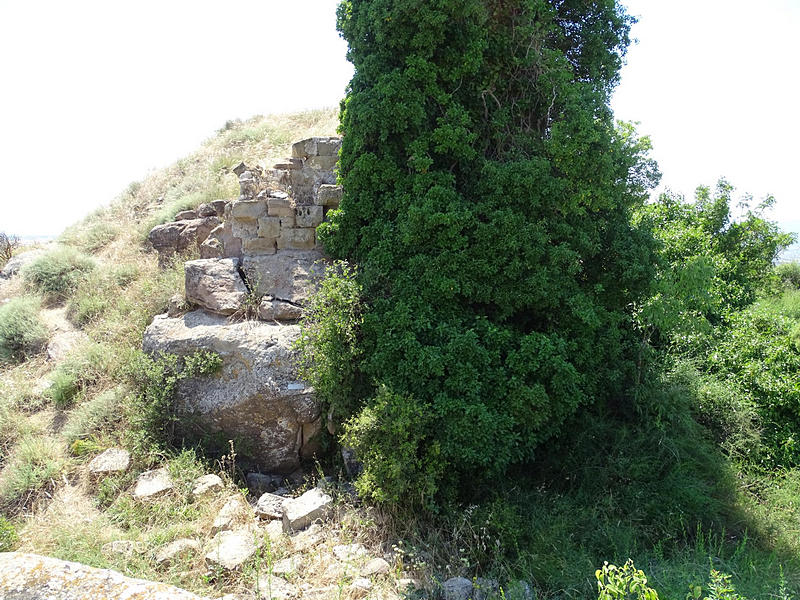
{"type": "Point", "coordinates": [22, 331]}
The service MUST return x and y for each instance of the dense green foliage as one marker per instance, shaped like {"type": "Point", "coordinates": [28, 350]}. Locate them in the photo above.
{"type": "Point", "coordinates": [487, 202]}
{"type": "Point", "coordinates": [58, 273]}
{"type": "Point", "coordinates": [22, 331]}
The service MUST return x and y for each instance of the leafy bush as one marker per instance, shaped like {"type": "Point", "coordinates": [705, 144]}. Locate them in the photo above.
{"type": "Point", "coordinates": [8, 535]}
{"type": "Point", "coordinates": [8, 243]}
{"type": "Point", "coordinates": [22, 331]}
{"type": "Point", "coordinates": [789, 274]}
{"type": "Point", "coordinates": [329, 340]}
{"type": "Point", "coordinates": [153, 413]}
{"type": "Point", "coordinates": [623, 583]}
{"type": "Point", "coordinates": [486, 190]}
{"type": "Point", "coordinates": [58, 273]}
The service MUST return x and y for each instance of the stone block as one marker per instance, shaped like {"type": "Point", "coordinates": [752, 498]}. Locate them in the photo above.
{"type": "Point", "coordinates": [244, 229]}
{"type": "Point", "coordinates": [323, 163]}
{"type": "Point", "coordinates": [297, 239]}
{"type": "Point", "coordinates": [308, 216]}
{"type": "Point", "coordinates": [270, 506]}
{"type": "Point", "coordinates": [188, 215]}
{"type": "Point", "coordinates": [299, 513]}
{"type": "Point", "coordinates": [259, 245]}
{"type": "Point", "coordinates": [329, 147]}
{"type": "Point", "coordinates": [207, 484]}
{"type": "Point", "coordinates": [288, 275]}
{"type": "Point", "coordinates": [152, 483]}
{"type": "Point", "coordinates": [248, 209]}
{"type": "Point", "coordinates": [280, 207]}
{"type": "Point", "coordinates": [288, 222]}
{"type": "Point", "coordinates": [328, 195]}
{"type": "Point", "coordinates": [113, 460]}
{"type": "Point", "coordinates": [215, 284]}
{"type": "Point", "coordinates": [278, 310]}
{"type": "Point", "coordinates": [269, 227]}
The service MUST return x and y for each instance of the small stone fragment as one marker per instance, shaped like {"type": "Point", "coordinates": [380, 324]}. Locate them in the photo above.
{"type": "Point", "coordinates": [123, 547]}
{"type": "Point", "coordinates": [177, 548]}
{"type": "Point", "coordinates": [230, 549]}
{"type": "Point", "coordinates": [270, 506]}
{"type": "Point", "coordinates": [234, 512]}
{"type": "Point", "coordinates": [305, 540]}
{"type": "Point", "coordinates": [300, 512]}
{"type": "Point", "coordinates": [349, 552]}
{"type": "Point", "coordinates": [276, 588]}
{"type": "Point", "coordinates": [151, 484]}
{"type": "Point", "coordinates": [457, 588]}
{"type": "Point", "coordinates": [113, 460]}
{"type": "Point", "coordinates": [274, 531]}
{"type": "Point", "coordinates": [360, 587]}
{"type": "Point", "coordinates": [288, 566]}
{"type": "Point", "coordinates": [377, 566]}
{"type": "Point", "coordinates": [207, 484]}
{"type": "Point", "coordinates": [188, 215]}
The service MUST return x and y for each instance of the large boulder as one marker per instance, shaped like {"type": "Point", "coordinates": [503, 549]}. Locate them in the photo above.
{"type": "Point", "coordinates": [289, 275]}
{"type": "Point", "coordinates": [256, 397]}
{"type": "Point", "coordinates": [177, 236]}
{"type": "Point", "coordinates": [215, 284]}
{"type": "Point", "coordinates": [33, 577]}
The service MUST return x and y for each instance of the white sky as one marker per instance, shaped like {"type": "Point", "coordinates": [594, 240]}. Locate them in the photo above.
{"type": "Point", "coordinates": [94, 94]}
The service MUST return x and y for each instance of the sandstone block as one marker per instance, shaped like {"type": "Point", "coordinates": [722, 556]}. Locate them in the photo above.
{"type": "Point", "coordinates": [270, 506]}
{"type": "Point", "coordinates": [207, 484]}
{"type": "Point", "coordinates": [152, 484]}
{"type": "Point", "coordinates": [255, 395]}
{"type": "Point", "coordinates": [269, 227]}
{"type": "Point", "coordinates": [248, 210]}
{"type": "Point", "coordinates": [177, 548]}
{"type": "Point", "coordinates": [235, 512]}
{"type": "Point", "coordinates": [322, 146]}
{"type": "Point", "coordinates": [297, 239]}
{"type": "Point", "coordinates": [215, 284]}
{"type": "Point", "coordinates": [328, 195]}
{"type": "Point", "coordinates": [299, 513]}
{"type": "Point", "coordinates": [219, 207]}
{"type": "Point", "coordinates": [113, 460]}
{"type": "Point", "coordinates": [259, 245]}
{"type": "Point", "coordinates": [211, 248]}
{"type": "Point", "coordinates": [288, 222]}
{"type": "Point", "coordinates": [231, 549]}
{"type": "Point", "coordinates": [308, 216]}
{"type": "Point", "coordinates": [289, 275]}
{"type": "Point", "coordinates": [244, 229]}
{"type": "Point", "coordinates": [322, 163]}
{"type": "Point", "coordinates": [206, 210]}
{"type": "Point", "coordinates": [280, 207]}
{"type": "Point", "coordinates": [329, 146]}
{"type": "Point", "coordinates": [278, 310]}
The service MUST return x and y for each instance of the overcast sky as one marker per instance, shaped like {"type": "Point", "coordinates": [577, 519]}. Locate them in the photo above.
{"type": "Point", "coordinates": [94, 94]}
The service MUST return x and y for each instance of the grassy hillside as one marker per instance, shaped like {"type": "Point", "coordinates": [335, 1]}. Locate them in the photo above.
{"type": "Point", "coordinates": [674, 490]}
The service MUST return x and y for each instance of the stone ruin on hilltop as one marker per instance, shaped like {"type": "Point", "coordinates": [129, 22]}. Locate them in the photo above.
{"type": "Point", "coordinates": [260, 246]}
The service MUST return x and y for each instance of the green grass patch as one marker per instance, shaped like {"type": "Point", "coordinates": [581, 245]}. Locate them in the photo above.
{"type": "Point", "coordinates": [23, 333]}
{"type": "Point", "coordinates": [33, 464]}
{"type": "Point", "coordinates": [57, 274]}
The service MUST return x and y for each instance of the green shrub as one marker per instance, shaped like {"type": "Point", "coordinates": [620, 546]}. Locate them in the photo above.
{"type": "Point", "coordinates": [789, 274]}
{"type": "Point", "coordinates": [487, 204]}
{"type": "Point", "coordinates": [23, 333]}
{"type": "Point", "coordinates": [58, 273]}
{"type": "Point", "coordinates": [623, 583]}
{"type": "Point", "coordinates": [153, 412]}
{"type": "Point", "coordinates": [8, 535]}
{"type": "Point", "coordinates": [329, 340]}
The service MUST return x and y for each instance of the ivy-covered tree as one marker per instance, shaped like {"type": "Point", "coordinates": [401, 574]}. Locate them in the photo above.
{"type": "Point", "coordinates": [487, 208]}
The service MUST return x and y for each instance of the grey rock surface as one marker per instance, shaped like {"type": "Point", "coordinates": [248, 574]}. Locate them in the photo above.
{"type": "Point", "coordinates": [113, 460]}
{"type": "Point", "coordinates": [270, 506]}
{"type": "Point", "coordinates": [300, 512]}
{"type": "Point", "coordinates": [34, 577]}
{"type": "Point", "coordinates": [289, 275]}
{"type": "Point", "coordinates": [207, 484]}
{"type": "Point", "coordinates": [18, 262]}
{"type": "Point", "coordinates": [256, 396]}
{"type": "Point", "coordinates": [215, 284]}
{"type": "Point", "coordinates": [151, 484]}
{"type": "Point", "coordinates": [457, 588]}
{"type": "Point", "coordinates": [230, 549]}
